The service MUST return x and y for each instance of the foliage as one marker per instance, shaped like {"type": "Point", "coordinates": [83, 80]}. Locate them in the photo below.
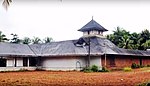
{"type": "Point", "coordinates": [104, 69]}
{"type": "Point", "coordinates": [6, 3]}
{"type": "Point", "coordinates": [87, 70]}
{"type": "Point", "coordinates": [127, 40]}
{"type": "Point", "coordinates": [94, 68]}
{"type": "Point", "coordinates": [36, 40]}
{"type": "Point", "coordinates": [15, 39]}
{"type": "Point", "coordinates": [134, 66]}
{"type": "Point", "coordinates": [127, 69]}
{"type": "Point", "coordinates": [145, 84]}
{"type": "Point", "coordinates": [148, 65]}
{"type": "Point", "coordinates": [26, 40]}
{"type": "Point", "coordinates": [48, 40]}
{"type": "Point", "coordinates": [2, 37]}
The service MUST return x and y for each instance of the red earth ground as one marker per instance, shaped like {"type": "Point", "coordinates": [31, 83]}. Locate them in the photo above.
{"type": "Point", "coordinates": [48, 78]}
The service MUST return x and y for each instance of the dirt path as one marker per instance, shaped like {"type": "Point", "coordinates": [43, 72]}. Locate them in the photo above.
{"type": "Point", "coordinates": [40, 78]}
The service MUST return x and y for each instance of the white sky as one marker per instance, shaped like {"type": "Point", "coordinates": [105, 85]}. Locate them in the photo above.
{"type": "Point", "coordinates": [61, 20]}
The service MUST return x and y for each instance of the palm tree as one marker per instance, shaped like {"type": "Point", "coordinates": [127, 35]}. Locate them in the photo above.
{"type": "Point", "coordinates": [48, 40]}
{"type": "Point", "coordinates": [143, 37]}
{"type": "Point", "coordinates": [126, 42]}
{"type": "Point", "coordinates": [6, 3]}
{"type": "Point", "coordinates": [146, 45]}
{"type": "Point", "coordinates": [15, 39]}
{"type": "Point", "coordinates": [36, 40]}
{"type": "Point", "coordinates": [2, 37]}
{"type": "Point", "coordinates": [26, 40]}
{"type": "Point", "coordinates": [135, 38]}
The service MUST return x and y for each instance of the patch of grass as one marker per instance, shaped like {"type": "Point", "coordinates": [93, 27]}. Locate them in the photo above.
{"type": "Point", "coordinates": [144, 84]}
{"type": "Point", "coordinates": [127, 69]}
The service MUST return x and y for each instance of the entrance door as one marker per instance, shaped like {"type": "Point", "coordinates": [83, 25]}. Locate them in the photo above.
{"type": "Point", "coordinates": [112, 61]}
{"type": "Point", "coordinates": [25, 62]}
{"type": "Point", "coordinates": [2, 62]}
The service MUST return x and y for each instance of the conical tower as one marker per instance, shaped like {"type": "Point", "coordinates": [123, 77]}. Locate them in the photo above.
{"type": "Point", "coordinates": [93, 28]}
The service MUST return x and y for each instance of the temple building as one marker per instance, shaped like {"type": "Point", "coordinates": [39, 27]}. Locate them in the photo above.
{"type": "Point", "coordinates": [90, 49]}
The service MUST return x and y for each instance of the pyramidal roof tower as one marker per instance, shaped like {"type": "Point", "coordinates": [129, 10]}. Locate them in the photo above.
{"type": "Point", "coordinates": [93, 28]}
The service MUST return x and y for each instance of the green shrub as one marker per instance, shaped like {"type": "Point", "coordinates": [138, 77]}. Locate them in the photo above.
{"type": "Point", "coordinates": [133, 66]}
{"type": "Point", "coordinates": [104, 70]}
{"type": "Point", "coordinates": [138, 66]}
{"type": "Point", "coordinates": [94, 68]}
{"type": "Point", "coordinates": [87, 69]}
{"type": "Point", "coordinates": [127, 69]}
{"type": "Point", "coordinates": [148, 65]}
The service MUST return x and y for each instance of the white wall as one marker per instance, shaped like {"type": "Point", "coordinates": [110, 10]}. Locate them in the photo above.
{"type": "Point", "coordinates": [62, 63]}
{"type": "Point", "coordinates": [19, 62]}
{"type": "Point", "coordinates": [96, 61]}
{"type": "Point", "coordinates": [10, 62]}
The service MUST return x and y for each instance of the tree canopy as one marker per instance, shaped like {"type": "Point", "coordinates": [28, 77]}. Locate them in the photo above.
{"type": "Point", "coordinates": [26, 40]}
{"type": "Point", "coordinates": [127, 40]}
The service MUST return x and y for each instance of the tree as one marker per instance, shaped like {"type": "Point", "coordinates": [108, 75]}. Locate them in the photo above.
{"type": "Point", "coordinates": [125, 42]}
{"type": "Point", "coordinates": [15, 39]}
{"type": "Point", "coordinates": [36, 40]}
{"type": "Point", "coordinates": [48, 40]}
{"type": "Point", "coordinates": [6, 3]}
{"type": "Point", "coordinates": [2, 37]}
{"type": "Point", "coordinates": [135, 40]}
{"type": "Point", "coordinates": [26, 40]}
{"type": "Point", "coordinates": [143, 37]}
{"type": "Point", "coordinates": [124, 39]}
{"type": "Point", "coordinates": [117, 35]}
{"type": "Point", "coordinates": [146, 45]}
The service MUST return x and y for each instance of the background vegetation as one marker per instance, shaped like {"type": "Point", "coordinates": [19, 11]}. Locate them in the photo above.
{"type": "Point", "coordinates": [127, 40]}
{"type": "Point", "coordinates": [26, 40]}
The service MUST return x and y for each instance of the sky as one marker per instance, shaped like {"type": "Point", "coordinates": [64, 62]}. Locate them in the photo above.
{"type": "Point", "coordinates": [60, 19]}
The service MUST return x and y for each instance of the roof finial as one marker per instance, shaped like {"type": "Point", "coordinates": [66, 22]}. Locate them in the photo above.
{"type": "Point", "coordinates": [92, 17]}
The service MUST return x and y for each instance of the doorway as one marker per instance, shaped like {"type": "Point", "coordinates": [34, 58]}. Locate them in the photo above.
{"type": "Point", "coordinates": [2, 62]}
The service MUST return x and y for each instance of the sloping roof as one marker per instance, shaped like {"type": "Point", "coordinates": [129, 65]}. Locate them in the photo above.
{"type": "Point", "coordinates": [80, 47]}
{"type": "Point", "coordinates": [99, 46]}
{"type": "Point", "coordinates": [92, 25]}
{"type": "Point", "coordinates": [8, 49]}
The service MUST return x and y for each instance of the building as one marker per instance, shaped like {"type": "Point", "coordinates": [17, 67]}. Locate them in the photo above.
{"type": "Point", "coordinates": [91, 49]}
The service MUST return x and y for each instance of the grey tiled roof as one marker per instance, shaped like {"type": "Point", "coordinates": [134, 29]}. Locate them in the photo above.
{"type": "Point", "coordinates": [98, 46]}
{"type": "Point", "coordinates": [92, 25]}
{"type": "Point", "coordinates": [10, 49]}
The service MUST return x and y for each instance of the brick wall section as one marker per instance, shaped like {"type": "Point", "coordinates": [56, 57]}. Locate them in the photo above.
{"type": "Point", "coordinates": [124, 61]}
{"type": "Point", "coordinates": [146, 61]}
